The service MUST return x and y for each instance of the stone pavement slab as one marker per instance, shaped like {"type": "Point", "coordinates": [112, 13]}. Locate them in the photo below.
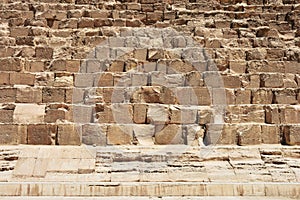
{"type": "Point", "coordinates": [147, 198]}
{"type": "Point", "coordinates": [157, 171]}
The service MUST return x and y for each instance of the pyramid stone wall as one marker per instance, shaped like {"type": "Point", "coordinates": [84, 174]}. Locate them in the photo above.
{"type": "Point", "coordinates": [150, 72]}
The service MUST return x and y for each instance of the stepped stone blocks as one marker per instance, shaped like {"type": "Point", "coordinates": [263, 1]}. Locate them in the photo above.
{"type": "Point", "coordinates": [149, 72]}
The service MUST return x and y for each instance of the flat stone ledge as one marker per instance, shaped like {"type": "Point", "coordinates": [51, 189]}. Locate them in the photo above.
{"type": "Point", "coordinates": [291, 190]}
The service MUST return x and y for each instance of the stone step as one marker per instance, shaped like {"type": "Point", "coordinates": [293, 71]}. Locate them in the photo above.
{"type": "Point", "coordinates": [153, 189]}
{"type": "Point", "coordinates": [146, 198]}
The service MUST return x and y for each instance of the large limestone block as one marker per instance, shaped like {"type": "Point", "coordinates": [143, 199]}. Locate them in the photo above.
{"type": "Point", "coordinates": [69, 134]}
{"type": "Point", "coordinates": [122, 113]}
{"type": "Point", "coordinates": [249, 134]}
{"type": "Point", "coordinates": [220, 134]}
{"type": "Point", "coordinates": [29, 95]}
{"type": "Point", "coordinates": [94, 134]}
{"type": "Point", "coordinates": [7, 113]}
{"type": "Point", "coordinates": [272, 114]}
{"type": "Point", "coordinates": [290, 114]}
{"type": "Point", "coordinates": [41, 134]}
{"type": "Point", "coordinates": [245, 114]}
{"type": "Point", "coordinates": [271, 80]}
{"type": "Point", "coordinates": [170, 134]}
{"type": "Point", "coordinates": [291, 135]}
{"type": "Point", "coordinates": [82, 113]}
{"type": "Point", "coordinates": [139, 113]}
{"type": "Point", "coordinates": [262, 96]}
{"type": "Point", "coordinates": [183, 115]}
{"type": "Point", "coordinates": [205, 115]}
{"type": "Point", "coordinates": [270, 134]}
{"type": "Point", "coordinates": [13, 134]}
{"type": "Point", "coordinates": [144, 134]}
{"type": "Point", "coordinates": [157, 114]}
{"type": "Point", "coordinates": [194, 134]}
{"type": "Point", "coordinates": [119, 134]}
{"type": "Point", "coordinates": [285, 96]}
{"type": "Point", "coordinates": [29, 113]}
{"type": "Point", "coordinates": [104, 113]}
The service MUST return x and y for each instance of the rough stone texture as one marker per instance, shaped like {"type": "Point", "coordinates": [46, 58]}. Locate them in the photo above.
{"type": "Point", "coordinates": [226, 67]}
{"type": "Point", "coordinates": [227, 172]}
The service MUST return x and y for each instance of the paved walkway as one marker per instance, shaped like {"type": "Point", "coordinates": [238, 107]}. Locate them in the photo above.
{"type": "Point", "coordinates": [146, 198]}
{"type": "Point", "coordinates": [272, 171]}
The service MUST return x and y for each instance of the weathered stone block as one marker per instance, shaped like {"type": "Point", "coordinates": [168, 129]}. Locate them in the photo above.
{"type": "Point", "coordinates": [179, 66]}
{"type": "Point", "coordinates": [122, 79]}
{"type": "Point", "coordinates": [290, 115]}
{"type": "Point", "coordinates": [291, 135]}
{"type": "Point", "coordinates": [82, 113]}
{"type": "Point", "coordinates": [243, 96]}
{"type": "Point", "coordinates": [94, 134]}
{"type": "Point", "coordinates": [69, 134]}
{"type": "Point", "coordinates": [194, 79]}
{"type": "Point", "coordinates": [116, 66]}
{"type": "Point", "coordinates": [4, 78]}
{"type": "Point", "coordinates": [271, 80]}
{"type": "Point", "coordinates": [220, 134]}
{"type": "Point", "coordinates": [54, 115]}
{"type": "Point", "coordinates": [144, 134]}
{"type": "Point", "coordinates": [86, 23]}
{"type": "Point", "coordinates": [140, 54]}
{"type": "Point", "coordinates": [170, 134]}
{"type": "Point", "coordinates": [63, 80]}
{"type": "Point", "coordinates": [22, 79]}
{"type": "Point", "coordinates": [272, 114]}
{"type": "Point", "coordinates": [262, 96]}
{"type": "Point", "coordinates": [29, 113]}
{"type": "Point", "coordinates": [182, 115]}
{"type": "Point", "coordinates": [18, 31]}
{"type": "Point", "coordinates": [7, 95]}
{"type": "Point", "coordinates": [157, 114]}
{"type": "Point", "coordinates": [13, 134]}
{"type": "Point", "coordinates": [105, 80]}
{"type": "Point", "coordinates": [286, 96]}
{"type": "Point", "coordinates": [254, 81]}
{"type": "Point", "coordinates": [168, 96]}
{"type": "Point", "coordinates": [58, 65]}
{"type": "Point", "coordinates": [29, 95]}
{"type": "Point", "coordinates": [232, 82]}
{"type": "Point", "coordinates": [102, 53]}
{"type": "Point", "coordinates": [122, 113]}
{"type": "Point", "coordinates": [53, 95]}
{"type": "Point", "coordinates": [290, 81]}
{"type": "Point", "coordinates": [6, 116]}
{"type": "Point", "coordinates": [83, 80]}
{"type": "Point", "coordinates": [194, 135]}
{"type": "Point", "coordinates": [222, 96]}
{"type": "Point", "coordinates": [72, 65]}
{"type": "Point", "coordinates": [11, 64]}
{"type": "Point", "coordinates": [44, 52]}
{"type": "Point", "coordinates": [201, 96]}
{"type": "Point", "coordinates": [28, 40]}
{"type": "Point", "coordinates": [270, 134]}
{"type": "Point", "coordinates": [41, 134]}
{"type": "Point", "coordinates": [256, 54]}
{"type": "Point", "coordinates": [119, 135]}
{"type": "Point", "coordinates": [213, 79]}
{"type": "Point", "coordinates": [245, 114]}
{"type": "Point", "coordinates": [140, 113]}
{"type": "Point", "coordinates": [147, 94]}
{"type": "Point", "coordinates": [205, 115]}
{"type": "Point", "coordinates": [139, 79]}
{"type": "Point", "coordinates": [249, 134]}
{"type": "Point", "coordinates": [238, 67]}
